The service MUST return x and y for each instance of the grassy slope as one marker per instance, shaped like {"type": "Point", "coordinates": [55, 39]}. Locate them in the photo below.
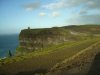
{"type": "Point", "coordinates": [78, 64]}
{"type": "Point", "coordinates": [41, 38]}
{"type": "Point", "coordinates": [92, 29]}
{"type": "Point", "coordinates": [42, 61]}
{"type": "Point", "coordinates": [95, 29]}
{"type": "Point", "coordinates": [54, 33]}
{"type": "Point", "coordinates": [36, 33]}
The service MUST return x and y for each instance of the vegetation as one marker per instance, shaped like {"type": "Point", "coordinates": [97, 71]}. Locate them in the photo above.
{"type": "Point", "coordinates": [93, 29]}
{"type": "Point", "coordinates": [48, 57]}
{"type": "Point", "coordinates": [66, 57]}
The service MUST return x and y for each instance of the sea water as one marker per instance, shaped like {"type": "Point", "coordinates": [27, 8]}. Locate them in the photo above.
{"type": "Point", "coordinates": [8, 42]}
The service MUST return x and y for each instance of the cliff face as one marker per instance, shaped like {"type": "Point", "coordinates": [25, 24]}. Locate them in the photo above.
{"type": "Point", "coordinates": [36, 39]}
{"type": "Point", "coordinates": [33, 39]}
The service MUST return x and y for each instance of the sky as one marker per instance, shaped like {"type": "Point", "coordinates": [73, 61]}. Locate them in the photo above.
{"type": "Point", "coordinates": [16, 15]}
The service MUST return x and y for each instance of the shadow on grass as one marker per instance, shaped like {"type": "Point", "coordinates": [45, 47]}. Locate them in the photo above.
{"type": "Point", "coordinates": [95, 68]}
{"type": "Point", "coordinates": [39, 71]}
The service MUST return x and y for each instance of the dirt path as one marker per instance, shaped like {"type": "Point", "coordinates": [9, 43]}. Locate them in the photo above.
{"type": "Point", "coordinates": [80, 63]}
{"type": "Point", "coordinates": [95, 68]}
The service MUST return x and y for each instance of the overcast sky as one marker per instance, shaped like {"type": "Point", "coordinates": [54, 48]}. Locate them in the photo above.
{"type": "Point", "coordinates": [19, 14]}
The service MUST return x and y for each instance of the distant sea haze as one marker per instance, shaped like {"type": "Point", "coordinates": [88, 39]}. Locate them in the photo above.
{"type": "Point", "coordinates": [8, 42]}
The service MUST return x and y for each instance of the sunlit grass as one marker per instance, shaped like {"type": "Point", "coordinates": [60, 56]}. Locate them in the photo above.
{"type": "Point", "coordinates": [73, 45]}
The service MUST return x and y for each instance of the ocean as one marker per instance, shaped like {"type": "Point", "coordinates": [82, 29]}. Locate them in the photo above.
{"type": "Point", "coordinates": [8, 42]}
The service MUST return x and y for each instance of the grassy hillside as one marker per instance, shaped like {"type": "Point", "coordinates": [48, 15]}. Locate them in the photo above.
{"type": "Point", "coordinates": [43, 61]}
{"type": "Point", "coordinates": [95, 29]}
{"type": "Point", "coordinates": [35, 39]}
{"type": "Point", "coordinates": [92, 29]}
{"type": "Point", "coordinates": [80, 63]}
{"type": "Point", "coordinates": [33, 33]}
{"type": "Point", "coordinates": [70, 56]}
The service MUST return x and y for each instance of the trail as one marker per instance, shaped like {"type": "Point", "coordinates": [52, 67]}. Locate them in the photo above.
{"type": "Point", "coordinates": [80, 63]}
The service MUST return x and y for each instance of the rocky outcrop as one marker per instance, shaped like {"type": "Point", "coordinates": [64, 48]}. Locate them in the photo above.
{"type": "Point", "coordinates": [35, 39]}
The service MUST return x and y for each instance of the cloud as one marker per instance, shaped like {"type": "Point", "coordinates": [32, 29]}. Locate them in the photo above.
{"type": "Point", "coordinates": [84, 19]}
{"type": "Point", "coordinates": [93, 4]}
{"type": "Point", "coordinates": [55, 14]}
{"type": "Point", "coordinates": [59, 4]}
{"type": "Point", "coordinates": [42, 14]}
{"type": "Point", "coordinates": [94, 19]}
{"type": "Point", "coordinates": [83, 11]}
{"type": "Point", "coordinates": [32, 6]}
{"type": "Point", "coordinates": [55, 5]}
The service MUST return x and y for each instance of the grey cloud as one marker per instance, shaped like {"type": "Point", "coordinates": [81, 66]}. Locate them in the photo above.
{"type": "Point", "coordinates": [90, 5]}
{"type": "Point", "coordinates": [94, 19]}
{"type": "Point", "coordinates": [83, 11]}
{"type": "Point", "coordinates": [85, 19]}
{"type": "Point", "coordinates": [64, 4]}
{"type": "Point", "coordinates": [93, 4]}
{"type": "Point", "coordinates": [32, 6]}
{"type": "Point", "coordinates": [59, 4]}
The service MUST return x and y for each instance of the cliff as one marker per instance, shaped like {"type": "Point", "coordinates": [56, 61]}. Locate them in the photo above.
{"type": "Point", "coordinates": [37, 39]}
{"type": "Point", "coordinates": [34, 39]}
{"type": "Point", "coordinates": [61, 51]}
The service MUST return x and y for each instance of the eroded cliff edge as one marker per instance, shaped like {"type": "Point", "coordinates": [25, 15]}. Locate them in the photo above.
{"type": "Point", "coordinates": [34, 39]}
{"type": "Point", "coordinates": [77, 40]}
{"type": "Point", "coordinates": [37, 39]}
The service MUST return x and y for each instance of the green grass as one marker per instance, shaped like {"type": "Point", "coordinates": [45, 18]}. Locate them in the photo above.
{"type": "Point", "coordinates": [78, 64]}
{"type": "Point", "coordinates": [90, 28]}
{"type": "Point", "coordinates": [33, 33]}
{"type": "Point", "coordinates": [45, 58]}
{"type": "Point", "coordinates": [42, 60]}
{"type": "Point", "coordinates": [44, 51]}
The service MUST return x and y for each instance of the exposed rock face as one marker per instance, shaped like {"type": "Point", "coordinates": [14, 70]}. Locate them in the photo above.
{"type": "Point", "coordinates": [33, 39]}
